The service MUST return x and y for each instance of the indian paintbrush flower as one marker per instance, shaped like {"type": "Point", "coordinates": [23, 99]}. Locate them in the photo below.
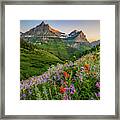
{"type": "Point", "coordinates": [66, 75]}
{"type": "Point", "coordinates": [87, 67]}
{"type": "Point", "coordinates": [62, 89]}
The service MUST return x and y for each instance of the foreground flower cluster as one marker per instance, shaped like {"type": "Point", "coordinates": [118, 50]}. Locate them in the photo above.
{"type": "Point", "coordinates": [79, 80]}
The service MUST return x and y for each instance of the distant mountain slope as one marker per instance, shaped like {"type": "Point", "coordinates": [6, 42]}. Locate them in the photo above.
{"type": "Point", "coordinates": [77, 37]}
{"type": "Point", "coordinates": [95, 43]}
{"type": "Point", "coordinates": [35, 61]}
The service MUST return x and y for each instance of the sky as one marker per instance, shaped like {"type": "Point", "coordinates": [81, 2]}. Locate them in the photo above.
{"type": "Point", "coordinates": [91, 28]}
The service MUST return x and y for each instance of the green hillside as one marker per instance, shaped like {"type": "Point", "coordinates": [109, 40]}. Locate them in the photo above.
{"type": "Point", "coordinates": [35, 61]}
{"type": "Point", "coordinates": [36, 58]}
{"type": "Point", "coordinates": [61, 49]}
{"type": "Point", "coordinates": [56, 47]}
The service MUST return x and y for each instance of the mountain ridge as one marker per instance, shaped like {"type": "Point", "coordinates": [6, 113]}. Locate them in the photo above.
{"type": "Point", "coordinates": [42, 30]}
{"type": "Point", "coordinates": [45, 32]}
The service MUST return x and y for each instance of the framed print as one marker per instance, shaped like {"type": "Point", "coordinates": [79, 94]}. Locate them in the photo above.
{"type": "Point", "coordinates": [60, 60]}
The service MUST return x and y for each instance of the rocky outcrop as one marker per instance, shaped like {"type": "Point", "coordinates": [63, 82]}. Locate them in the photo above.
{"type": "Point", "coordinates": [95, 43]}
{"type": "Point", "coordinates": [77, 37]}
{"type": "Point", "coordinates": [43, 31]}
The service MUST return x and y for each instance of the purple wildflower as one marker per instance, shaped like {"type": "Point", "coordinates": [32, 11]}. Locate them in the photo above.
{"type": "Point", "coordinates": [24, 95]}
{"type": "Point", "coordinates": [27, 86]}
{"type": "Point", "coordinates": [72, 89]}
{"type": "Point", "coordinates": [67, 89]}
{"type": "Point", "coordinates": [30, 92]}
{"type": "Point", "coordinates": [98, 85]}
{"type": "Point", "coordinates": [62, 81]}
{"type": "Point", "coordinates": [97, 94]}
{"type": "Point", "coordinates": [21, 86]}
{"type": "Point", "coordinates": [65, 97]}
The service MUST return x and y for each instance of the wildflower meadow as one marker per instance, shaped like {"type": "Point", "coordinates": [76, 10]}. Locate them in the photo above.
{"type": "Point", "coordinates": [78, 80]}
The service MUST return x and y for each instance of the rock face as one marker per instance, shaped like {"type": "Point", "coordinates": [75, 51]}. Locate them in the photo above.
{"type": "Point", "coordinates": [21, 33]}
{"type": "Point", "coordinates": [95, 43]}
{"type": "Point", "coordinates": [43, 31]}
{"type": "Point", "coordinates": [73, 33]}
{"type": "Point", "coordinates": [77, 37]}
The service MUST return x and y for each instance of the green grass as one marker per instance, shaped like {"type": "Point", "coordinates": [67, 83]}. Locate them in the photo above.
{"type": "Point", "coordinates": [35, 62]}
{"type": "Point", "coordinates": [56, 47]}
{"type": "Point", "coordinates": [60, 49]}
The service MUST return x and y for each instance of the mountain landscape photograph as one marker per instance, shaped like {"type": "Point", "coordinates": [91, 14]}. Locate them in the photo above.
{"type": "Point", "coordinates": [59, 60]}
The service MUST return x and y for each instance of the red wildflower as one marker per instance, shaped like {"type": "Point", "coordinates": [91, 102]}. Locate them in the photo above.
{"type": "Point", "coordinates": [66, 75]}
{"type": "Point", "coordinates": [87, 67]}
{"type": "Point", "coordinates": [62, 89]}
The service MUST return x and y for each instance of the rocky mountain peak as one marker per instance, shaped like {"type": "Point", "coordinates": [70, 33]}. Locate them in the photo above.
{"type": "Point", "coordinates": [42, 23]}
{"type": "Point", "coordinates": [78, 36]}
{"type": "Point", "coordinates": [43, 30]}
{"type": "Point", "coordinates": [73, 33]}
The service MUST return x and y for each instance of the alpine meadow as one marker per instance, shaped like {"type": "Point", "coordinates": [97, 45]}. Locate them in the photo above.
{"type": "Point", "coordinates": [59, 60]}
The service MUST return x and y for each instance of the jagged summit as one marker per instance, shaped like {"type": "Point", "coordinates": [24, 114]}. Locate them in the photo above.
{"type": "Point", "coordinates": [77, 36]}
{"type": "Point", "coordinates": [74, 32]}
{"type": "Point", "coordinates": [43, 30]}
{"type": "Point", "coordinates": [42, 23]}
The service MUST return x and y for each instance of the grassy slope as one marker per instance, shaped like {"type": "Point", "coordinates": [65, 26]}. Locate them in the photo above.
{"type": "Point", "coordinates": [35, 62]}
{"type": "Point", "coordinates": [56, 47]}
{"type": "Point", "coordinates": [61, 50]}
